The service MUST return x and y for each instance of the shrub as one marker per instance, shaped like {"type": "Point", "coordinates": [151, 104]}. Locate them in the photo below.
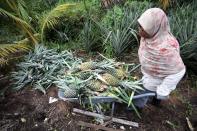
{"type": "Point", "coordinates": [183, 25]}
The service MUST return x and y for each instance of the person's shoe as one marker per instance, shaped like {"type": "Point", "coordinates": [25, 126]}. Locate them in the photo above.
{"type": "Point", "coordinates": [155, 102]}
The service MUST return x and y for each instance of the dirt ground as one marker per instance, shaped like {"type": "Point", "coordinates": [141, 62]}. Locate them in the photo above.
{"type": "Point", "coordinates": [29, 110]}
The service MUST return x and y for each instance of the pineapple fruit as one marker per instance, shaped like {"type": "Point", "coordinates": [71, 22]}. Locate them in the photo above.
{"type": "Point", "coordinates": [86, 66]}
{"type": "Point", "coordinates": [119, 73]}
{"type": "Point", "coordinates": [110, 79]}
{"type": "Point", "coordinates": [70, 93]}
{"type": "Point", "coordinates": [96, 85]}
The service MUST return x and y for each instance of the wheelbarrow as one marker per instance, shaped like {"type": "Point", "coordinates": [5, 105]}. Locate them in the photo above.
{"type": "Point", "coordinates": [102, 99]}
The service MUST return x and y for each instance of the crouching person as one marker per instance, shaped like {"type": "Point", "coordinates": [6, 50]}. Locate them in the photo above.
{"type": "Point", "coordinates": [161, 63]}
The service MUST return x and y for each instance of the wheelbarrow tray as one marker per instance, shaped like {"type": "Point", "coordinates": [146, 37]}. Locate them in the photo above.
{"type": "Point", "coordinates": [100, 99]}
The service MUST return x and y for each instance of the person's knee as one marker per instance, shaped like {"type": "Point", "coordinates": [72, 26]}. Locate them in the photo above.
{"type": "Point", "coordinates": [141, 102]}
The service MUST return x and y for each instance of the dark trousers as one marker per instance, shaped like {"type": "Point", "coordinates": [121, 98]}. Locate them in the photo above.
{"type": "Point", "coordinates": [141, 102]}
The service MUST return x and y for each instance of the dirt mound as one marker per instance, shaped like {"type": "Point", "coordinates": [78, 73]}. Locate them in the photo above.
{"type": "Point", "coordinates": [30, 110]}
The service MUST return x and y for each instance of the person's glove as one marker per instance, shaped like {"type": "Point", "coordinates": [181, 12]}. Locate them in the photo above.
{"type": "Point", "coordinates": [162, 93]}
{"type": "Point", "coordinates": [160, 97]}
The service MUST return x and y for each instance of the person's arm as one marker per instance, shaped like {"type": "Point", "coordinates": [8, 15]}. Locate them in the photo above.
{"type": "Point", "coordinates": [169, 84]}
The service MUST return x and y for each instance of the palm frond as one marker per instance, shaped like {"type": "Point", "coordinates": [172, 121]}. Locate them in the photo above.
{"type": "Point", "coordinates": [165, 3]}
{"type": "Point", "coordinates": [16, 19]}
{"type": "Point", "coordinates": [22, 24]}
{"type": "Point", "coordinates": [50, 19]}
{"type": "Point", "coordinates": [22, 45]}
{"type": "Point", "coordinates": [7, 49]}
{"type": "Point", "coordinates": [22, 10]}
{"type": "Point", "coordinates": [3, 62]}
{"type": "Point", "coordinates": [11, 4]}
{"type": "Point", "coordinates": [19, 8]}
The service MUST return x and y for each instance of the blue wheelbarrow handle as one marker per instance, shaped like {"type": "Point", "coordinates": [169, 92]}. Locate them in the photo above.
{"type": "Point", "coordinates": [144, 95]}
{"type": "Point", "coordinates": [101, 99]}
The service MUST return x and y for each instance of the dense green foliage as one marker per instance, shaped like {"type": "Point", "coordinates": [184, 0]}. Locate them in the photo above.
{"type": "Point", "coordinates": [29, 22]}
{"type": "Point", "coordinates": [185, 31]}
{"type": "Point", "coordinates": [84, 25]}
{"type": "Point", "coordinates": [119, 27]}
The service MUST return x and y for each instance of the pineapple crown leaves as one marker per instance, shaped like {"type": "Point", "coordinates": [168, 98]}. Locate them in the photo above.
{"type": "Point", "coordinates": [123, 96]}
{"type": "Point", "coordinates": [133, 85]}
{"type": "Point", "coordinates": [44, 67]}
{"type": "Point", "coordinates": [41, 66]}
{"type": "Point", "coordinates": [78, 81]}
{"type": "Point", "coordinates": [105, 65]}
{"type": "Point", "coordinates": [99, 77]}
{"type": "Point", "coordinates": [38, 86]}
{"type": "Point", "coordinates": [71, 80]}
{"type": "Point", "coordinates": [107, 59]}
{"type": "Point", "coordinates": [61, 84]}
{"type": "Point", "coordinates": [118, 93]}
{"type": "Point", "coordinates": [109, 63]}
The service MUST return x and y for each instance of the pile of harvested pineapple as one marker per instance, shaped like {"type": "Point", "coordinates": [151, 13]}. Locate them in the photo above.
{"type": "Point", "coordinates": [97, 78]}
{"type": "Point", "coordinates": [77, 78]}
{"type": "Point", "coordinates": [44, 67]}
